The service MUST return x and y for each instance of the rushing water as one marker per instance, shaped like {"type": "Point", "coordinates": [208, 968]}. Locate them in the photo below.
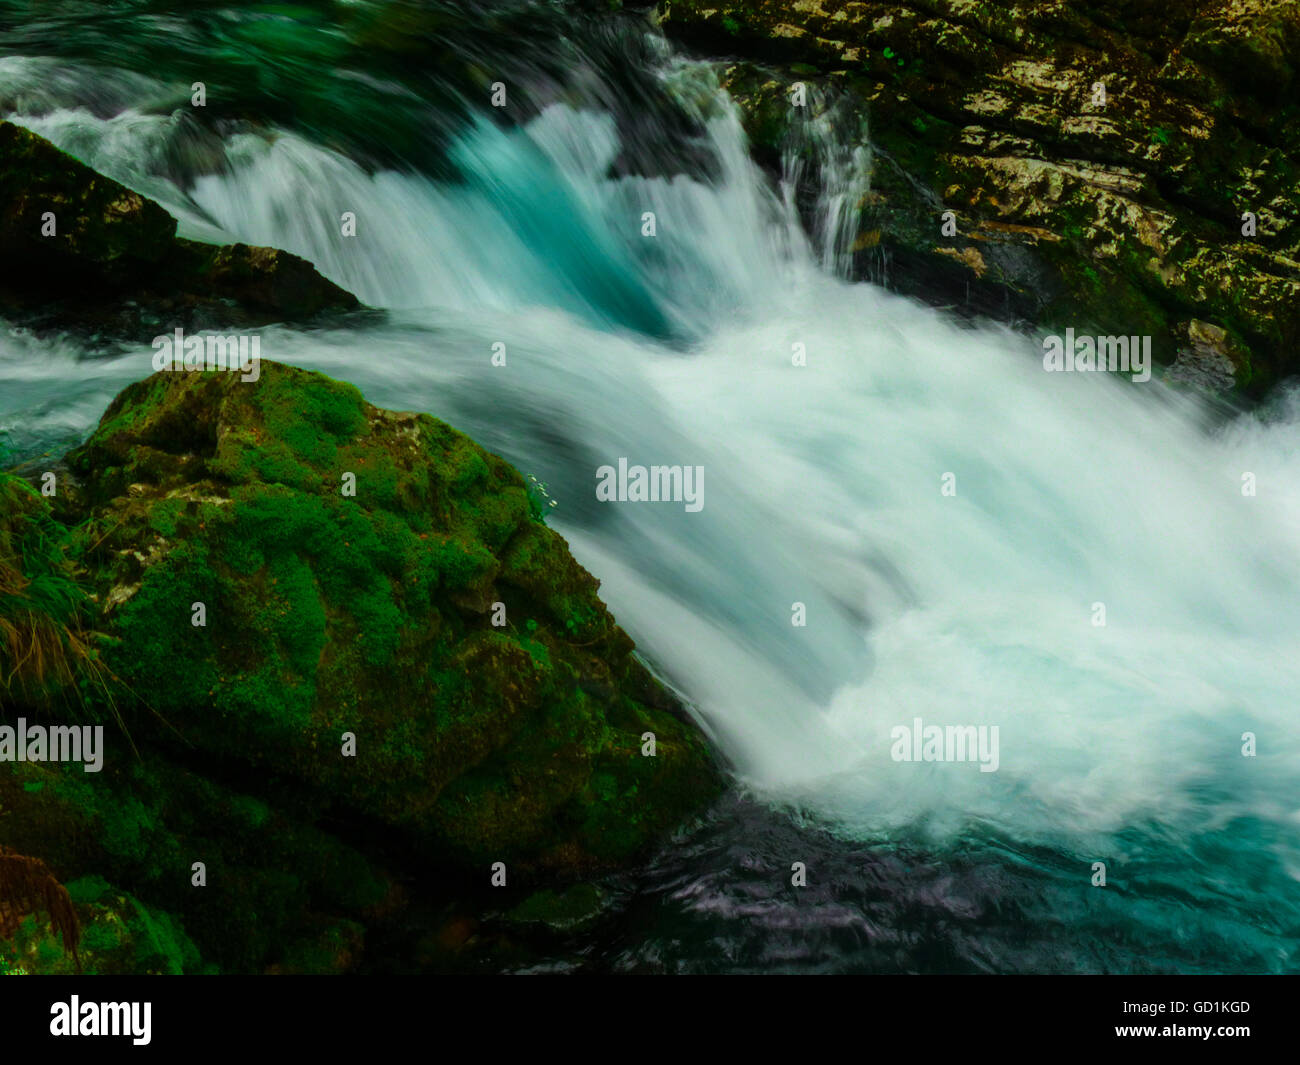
{"type": "Point", "coordinates": [477, 227]}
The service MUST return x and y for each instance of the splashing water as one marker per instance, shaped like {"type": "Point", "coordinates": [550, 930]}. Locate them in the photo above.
{"type": "Point", "coordinates": [1119, 743]}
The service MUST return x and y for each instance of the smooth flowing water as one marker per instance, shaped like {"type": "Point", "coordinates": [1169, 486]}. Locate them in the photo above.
{"type": "Point", "coordinates": [479, 227]}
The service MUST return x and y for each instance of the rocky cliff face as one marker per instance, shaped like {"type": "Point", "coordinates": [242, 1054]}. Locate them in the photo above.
{"type": "Point", "coordinates": [1120, 167]}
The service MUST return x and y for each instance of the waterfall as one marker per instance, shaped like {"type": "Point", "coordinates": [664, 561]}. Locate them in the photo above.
{"type": "Point", "coordinates": [827, 417]}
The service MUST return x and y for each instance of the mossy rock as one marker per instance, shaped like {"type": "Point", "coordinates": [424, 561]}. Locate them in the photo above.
{"type": "Point", "coordinates": [273, 879]}
{"type": "Point", "coordinates": [329, 612]}
{"type": "Point", "coordinates": [120, 935]}
{"type": "Point", "coordinates": [332, 951]}
{"type": "Point", "coordinates": [575, 909]}
{"type": "Point", "coordinates": [98, 223]}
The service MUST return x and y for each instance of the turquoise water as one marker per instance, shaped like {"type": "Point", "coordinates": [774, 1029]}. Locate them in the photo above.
{"type": "Point", "coordinates": [523, 226]}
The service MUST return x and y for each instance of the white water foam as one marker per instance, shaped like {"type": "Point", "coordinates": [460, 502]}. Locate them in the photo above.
{"type": "Point", "coordinates": [823, 481]}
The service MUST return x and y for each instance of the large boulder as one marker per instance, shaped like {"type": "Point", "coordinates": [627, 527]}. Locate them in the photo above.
{"type": "Point", "coordinates": [326, 611]}
{"type": "Point", "coordinates": [280, 565]}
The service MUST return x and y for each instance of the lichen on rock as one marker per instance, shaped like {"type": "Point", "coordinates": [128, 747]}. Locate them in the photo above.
{"type": "Point", "coordinates": [1117, 169]}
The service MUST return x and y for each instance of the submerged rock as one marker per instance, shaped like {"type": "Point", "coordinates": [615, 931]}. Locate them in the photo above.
{"type": "Point", "coordinates": [79, 250]}
{"type": "Point", "coordinates": [561, 913]}
{"type": "Point", "coordinates": [1118, 169]}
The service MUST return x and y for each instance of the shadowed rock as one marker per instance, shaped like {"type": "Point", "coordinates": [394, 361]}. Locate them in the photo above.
{"type": "Point", "coordinates": [79, 250]}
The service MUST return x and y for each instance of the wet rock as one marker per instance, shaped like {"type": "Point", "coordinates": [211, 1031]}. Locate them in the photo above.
{"type": "Point", "coordinates": [571, 911]}
{"type": "Point", "coordinates": [1120, 169]}
{"type": "Point", "coordinates": [80, 251]}
{"type": "Point", "coordinates": [376, 574]}
{"type": "Point", "coordinates": [1210, 360]}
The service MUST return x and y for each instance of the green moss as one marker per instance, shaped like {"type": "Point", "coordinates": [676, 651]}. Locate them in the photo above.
{"type": "Point", "coordinates": [143, 824]}
{"type": "Point", "coordinates": [120, 935]}
{"type": "Point", "coordinates": [369, 613]}
{"type": "Point", "coordinates": [47, 655]}
{"type": "Point", "coordinates": [332, 950]}
{"type": "Point", "coordinates": [573, 909]}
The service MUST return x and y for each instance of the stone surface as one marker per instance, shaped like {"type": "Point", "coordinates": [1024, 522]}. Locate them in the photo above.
{"type": "Point", "coordinates": [1123, 216]}
{"type": "Point", "coordinates": [114, 266]}
{"type": "Point", "coordinates": [326, 613]}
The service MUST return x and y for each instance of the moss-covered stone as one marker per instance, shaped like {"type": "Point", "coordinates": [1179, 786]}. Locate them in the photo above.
{"type": "Point", "coordinates": [372, 613]}
{"type": "Point", "coordinates": [273, 877]}
{"type": "Point", "coordinates": [560, 913]}
{"type": "Point", "coordinates": [120, 935]}
{"type": "Point", "coordinates": [328, 611]}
